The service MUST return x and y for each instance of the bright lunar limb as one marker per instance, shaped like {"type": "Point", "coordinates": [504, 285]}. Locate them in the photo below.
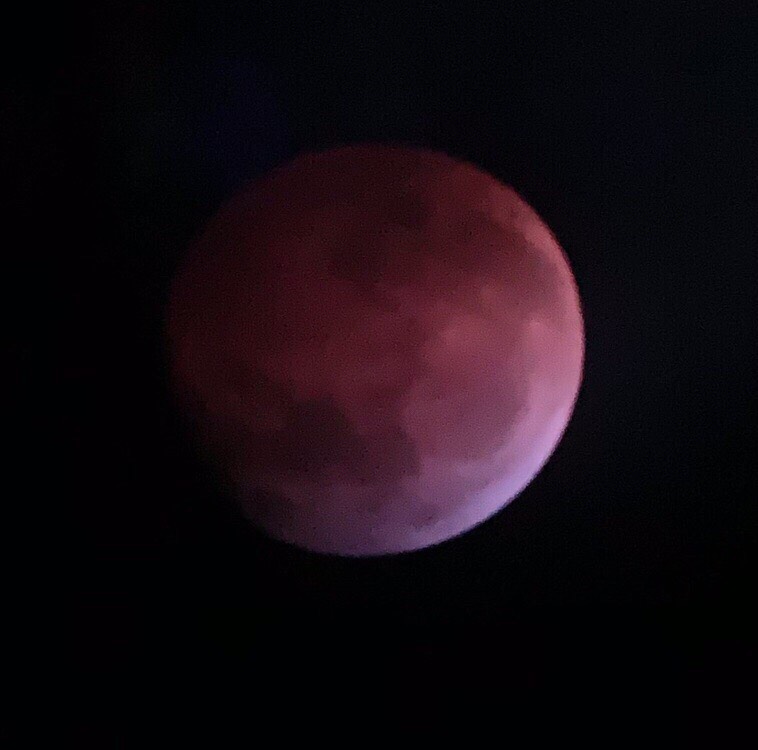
{"type": "Point", "coordinates": [379, 347]}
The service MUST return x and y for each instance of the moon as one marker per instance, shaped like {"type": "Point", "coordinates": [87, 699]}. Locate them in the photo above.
{"type": "Point", "coordinates": [378, 346]}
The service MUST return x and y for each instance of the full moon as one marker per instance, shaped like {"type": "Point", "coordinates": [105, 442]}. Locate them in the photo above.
{"type": "Point", "coordinates": [379, 347]}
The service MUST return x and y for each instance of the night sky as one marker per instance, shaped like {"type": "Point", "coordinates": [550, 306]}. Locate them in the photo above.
{"type": "Point", "coordinates": [621, 576]}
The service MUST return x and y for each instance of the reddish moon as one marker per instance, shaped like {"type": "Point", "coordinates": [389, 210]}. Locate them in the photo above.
{"type": "Point", "coordinates": [378, 346]}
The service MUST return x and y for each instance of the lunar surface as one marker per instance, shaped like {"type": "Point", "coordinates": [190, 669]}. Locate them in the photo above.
{"type": "Point", "coordinates": [378, 346]}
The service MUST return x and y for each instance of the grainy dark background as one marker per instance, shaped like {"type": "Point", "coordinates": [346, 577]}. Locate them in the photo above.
{"type": "Point", "coordinates": [620, 578]}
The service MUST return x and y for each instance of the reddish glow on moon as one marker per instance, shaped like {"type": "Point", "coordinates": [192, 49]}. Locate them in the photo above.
{"type": "Point", "coordinates": [379, 346]}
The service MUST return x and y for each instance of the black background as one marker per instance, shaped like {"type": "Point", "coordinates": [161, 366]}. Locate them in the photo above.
{"type": "Point", "coordinates": [620, 578]}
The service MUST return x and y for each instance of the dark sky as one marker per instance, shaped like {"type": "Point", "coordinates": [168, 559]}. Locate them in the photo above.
{"type": "Point", "coordinates": [626, 563]}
